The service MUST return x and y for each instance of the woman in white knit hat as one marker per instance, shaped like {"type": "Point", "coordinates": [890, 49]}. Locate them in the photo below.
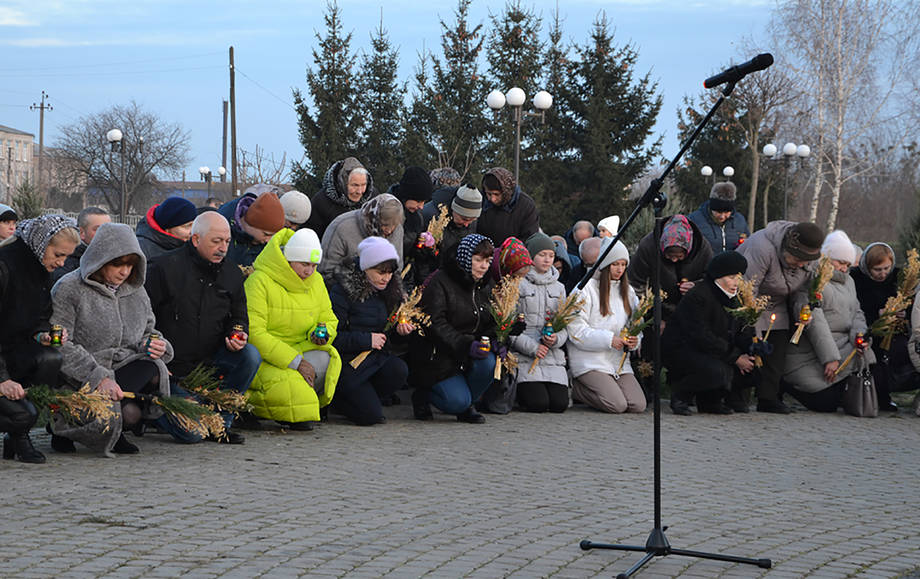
{"type": "Point", "coordinates": [595, 347]}
{"type": "Point", "coordinates": [812, 370]}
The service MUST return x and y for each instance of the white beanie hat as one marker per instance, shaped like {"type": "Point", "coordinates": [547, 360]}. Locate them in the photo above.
{"type": "Point", "coordinates": [303, 246]}
{"type": "Point", "coordinates": [611, 224]}
{"type": "Point", "coordinates": [373, 251]}
{"type": "Point", "coordinates": [296, 207]}
{"type": "Point", "coordinates": [837, 245]}
{"type": "Point", "coordinates": [618, 252]}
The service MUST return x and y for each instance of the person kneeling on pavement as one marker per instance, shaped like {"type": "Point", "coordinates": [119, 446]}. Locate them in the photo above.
{"type": "Point", "coordinates": [454, 364]}
{"type": "Point", "coordinates": [707, 350]}
{"type": "Point", "coordinates": [292, 325]}
{"type": "Point", "coordinates": [362, 302]}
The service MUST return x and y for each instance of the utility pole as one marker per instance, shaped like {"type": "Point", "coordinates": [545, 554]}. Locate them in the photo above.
{"type": "Point", "coordinates": [41, 136]}
{"type": "Point", "coordinates": [223, 149]}
{"type": "Point", "coordinates": [9, 175]}
{"type": "Point", "coordinates": [233, 183]}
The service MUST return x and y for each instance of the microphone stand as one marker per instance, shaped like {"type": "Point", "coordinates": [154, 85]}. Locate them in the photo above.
{"type": "Point", "coordinates": [657, 544]}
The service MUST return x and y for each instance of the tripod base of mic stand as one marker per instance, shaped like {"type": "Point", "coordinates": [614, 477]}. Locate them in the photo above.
{"type": "Point", "coordinates": [657, 545]}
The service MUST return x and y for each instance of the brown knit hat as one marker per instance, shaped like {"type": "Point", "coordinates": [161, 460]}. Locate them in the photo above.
{"type": "Point", "coordinates": [803, 240]}
{"type": "Point", "coordinates": [266, 213]}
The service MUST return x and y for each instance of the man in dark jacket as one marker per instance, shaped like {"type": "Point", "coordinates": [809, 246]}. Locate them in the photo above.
{"type": "Point", "coordinates": [722, 226]}
{"type": "Point", "coordinates": [166, 226]}
{"type": "Point", "coordinates": [507, 211]}
{"type": "Point", "coordinates": [253, 218]}
{"type": "Point", "coordinates": [199, 301]}
{"type": "Point", "coordinates": [705, 348]}
{"type": "Point", "coordinates": [88, 221]}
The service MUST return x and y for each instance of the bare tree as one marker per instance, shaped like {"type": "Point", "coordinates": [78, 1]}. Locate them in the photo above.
{"type": "Point", "coordinates": [851, 59]}
{"type": "Point", "coordinates": [257, 167]}
{"type": "Point", "coordinates": [152, 148]}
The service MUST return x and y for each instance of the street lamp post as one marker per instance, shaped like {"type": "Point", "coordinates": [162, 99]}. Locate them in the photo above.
{"type": "Point", "coordinates": [206, 176]}
{"type": "Point", "coordinates": [790, 150]}
{"type": "Point", "coordinates": [706, 172]}
{"type": "Point", "coordinates": [516, 97]}
{"type": "Point", "coordinates": [728, 172]}
{"type": "Point", "coordinates": [115, 137]}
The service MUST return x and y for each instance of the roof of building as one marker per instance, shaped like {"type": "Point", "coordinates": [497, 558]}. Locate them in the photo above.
{"type": "Point", "coordinates": [5, 129]}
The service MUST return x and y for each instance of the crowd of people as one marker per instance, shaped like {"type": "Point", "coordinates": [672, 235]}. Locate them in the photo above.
{"type": "Point", "coordinates": [292, 300]}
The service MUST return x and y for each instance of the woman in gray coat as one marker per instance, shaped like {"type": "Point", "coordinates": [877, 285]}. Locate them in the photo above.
{"type": "Point", "coordinates": [811, 368]}
{"type": "Point", "coordinates": [114, 346]}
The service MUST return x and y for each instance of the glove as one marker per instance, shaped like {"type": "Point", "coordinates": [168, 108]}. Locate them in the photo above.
{"type": "Point", "coordinates": [427, 239]}
{"type": "Point", "coordinates": [517, 328]}
{"type": "Point", "coordinates": [502, 352]}
{"type": "Point", "coordinates": [477, 352]}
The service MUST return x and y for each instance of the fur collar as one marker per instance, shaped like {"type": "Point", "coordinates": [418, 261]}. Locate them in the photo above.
{"type": "Point", "coordinates": [359, 289]}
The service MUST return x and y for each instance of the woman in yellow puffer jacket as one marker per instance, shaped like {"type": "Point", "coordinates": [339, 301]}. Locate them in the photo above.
{"type": "Point", "coordinates": [287, 300]}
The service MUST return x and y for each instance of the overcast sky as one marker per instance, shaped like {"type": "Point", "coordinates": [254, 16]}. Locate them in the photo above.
{"type": "Point", "coordinates": [171, 56]}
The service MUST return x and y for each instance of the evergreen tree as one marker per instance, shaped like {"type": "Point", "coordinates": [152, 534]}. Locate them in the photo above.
{"type": "Point", "coordinates": [613, 116]}
{"type": "Point", "coordinates": [380, 105]}
{"type": "Point", "coordinates": [417, 120]}
{"type": "Point", "coordinates": [457, 96]}
{"type": "Point", "coordinates": [547, 168]}
{"type": "Point", "coordinates": [330, 133]}
{"type": "Point", "coordinates": [513, 54]}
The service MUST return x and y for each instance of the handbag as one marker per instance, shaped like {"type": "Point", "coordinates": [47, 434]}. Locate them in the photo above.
{"type": "Point", "coordinates": [859, 396]}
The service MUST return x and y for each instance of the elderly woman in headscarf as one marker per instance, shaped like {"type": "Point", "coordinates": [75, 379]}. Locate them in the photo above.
{"type": "Point", "coordinates": [292, 324]}
{"type": "Point", "coordinates": [39, 247]}
{"type": "Point", "coordinates": [115, 346]}
{"type": "Point", "coordinates": [347, 185]}
{"type": "Point", "coordinates": [382, 216]}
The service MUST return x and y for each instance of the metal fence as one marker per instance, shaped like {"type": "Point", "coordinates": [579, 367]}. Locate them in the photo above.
{"type": "Point", "coordinates": [131, 220]}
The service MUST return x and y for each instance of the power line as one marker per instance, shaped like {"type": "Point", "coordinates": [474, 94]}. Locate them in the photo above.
{"type": "Point", "coordinates": [112, 73]}
{"type": "Point", "coordinates": [253, 81]}
{"type": "Point", "coordinates": [99, 64]}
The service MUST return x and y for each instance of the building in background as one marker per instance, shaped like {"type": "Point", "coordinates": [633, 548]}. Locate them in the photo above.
{"type": "Point", "coordinates": [16, 160]}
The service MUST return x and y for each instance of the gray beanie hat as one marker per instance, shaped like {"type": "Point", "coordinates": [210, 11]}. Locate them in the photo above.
{"type": "Point", "coordinates": [467, 202]}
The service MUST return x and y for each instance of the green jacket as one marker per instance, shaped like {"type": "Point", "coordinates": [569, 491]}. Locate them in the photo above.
{"type": "Point", "coordinates": [283, 311]}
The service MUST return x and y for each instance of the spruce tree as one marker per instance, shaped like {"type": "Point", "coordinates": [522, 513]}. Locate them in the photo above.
{"type": "Point", "coordinates": [613, 115]}
{"type": "Point", "coordinates": [416, 146]}
{"type": "Point", "coordinates": [328, 133]}
{"type": "Point", "coordinates": [514, 60]}
{"type": "Point", "coordinates": [458, 95]}
{"type": "Point", "coordinates": [380, 105]}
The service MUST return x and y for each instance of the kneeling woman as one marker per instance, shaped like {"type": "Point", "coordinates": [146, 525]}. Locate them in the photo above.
{"type": "Point", "coordinates": [104, 307]}
{"type": "Point", "coordinates": [455, 364]}
{"type": "Point", "coordinates": [287, 303]}
{"type": "Point", "coordinates": [705, 348]}
{"type": "Point", "coordinates": [362, 303]}
{"type": "Point", "coordinates": [812, 365]}
{"type": "Point", "coordinates": [595, 346]}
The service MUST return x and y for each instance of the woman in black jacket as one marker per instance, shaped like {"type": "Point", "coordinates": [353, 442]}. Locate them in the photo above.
{"type": "Point", "coordinates": [362, 302]}
{"type": "Point", "coordinates": [41, 246]}
{"type": "Point", "coordinates": [705, 348]}
{"type": "Point", "coordinates": [453, 366]}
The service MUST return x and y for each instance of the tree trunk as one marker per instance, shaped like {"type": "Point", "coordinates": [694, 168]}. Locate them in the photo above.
{"type": "Point", "coordinates": [755, 175]}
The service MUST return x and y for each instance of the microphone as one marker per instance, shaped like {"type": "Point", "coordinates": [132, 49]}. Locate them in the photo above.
{"type": "Point", "coordinates": [736, 73]}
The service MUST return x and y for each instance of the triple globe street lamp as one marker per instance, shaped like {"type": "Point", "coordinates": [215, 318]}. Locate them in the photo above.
{"type": "Point", "coordinates": [706, 171]}
{"type": "Point", "coordinates": [790, 151]}
{"type": "Point", "coordinates": [206, 175]}
{"type": "Point", "coordinates": [515, 97]}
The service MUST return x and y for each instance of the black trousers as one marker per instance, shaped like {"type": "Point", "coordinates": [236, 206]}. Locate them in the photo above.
{"type": "Point", "coordinates": [137, 376]}
{"type": "Point", "coordinates": [542, 396]}
{"type": "Point", "coordinates": [359, 400]}
{"type": "Point", "coordinates": [827, 400]}
{"type": "Point", "coordinates": [773, 366]}
{"type": "Point", "coordinates": [29, 364]}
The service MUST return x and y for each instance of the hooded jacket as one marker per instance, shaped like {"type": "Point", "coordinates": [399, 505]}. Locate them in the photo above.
{"type": "Point", "coordinates": [283, 311]}
{"type": "Point", "coordinates": [829, 336]}
{"type": "Point", "coordinates": [591, 334]}
{"type": "Point", "coordinates": [196, 303]}
{"type": "Point", "coordinates": [690, 268]}
{"type": "Point", "coordinates": [108, 327]}
{"type": "Point", "coordinates": [517, 216]}
{"type": "Point", "coordinates": [723, 237]}
{"type": "Point", "coordinates": [341, 239]}
{"type": "Point", "coordinates": [331, 200]}
{"type": "Point", "coordinates": [541, 295]}
{"type": "Point", "coordinates": [154, 241]}
{"type": "Point", "coordinates": [772, 277]}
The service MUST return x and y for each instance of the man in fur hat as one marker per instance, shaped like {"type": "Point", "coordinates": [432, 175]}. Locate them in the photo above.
{"type": "Point", "coordinates": [722, 226]}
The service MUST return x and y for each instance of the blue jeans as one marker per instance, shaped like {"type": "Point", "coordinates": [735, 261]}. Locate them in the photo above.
{"type": "Point", "coordinates": [455, 394]}
{"type": "Point", "coordinates": [238, 369]}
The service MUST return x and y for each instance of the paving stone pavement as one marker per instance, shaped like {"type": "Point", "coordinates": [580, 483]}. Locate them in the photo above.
{"type": "Point", "coordinates": [822, 496]}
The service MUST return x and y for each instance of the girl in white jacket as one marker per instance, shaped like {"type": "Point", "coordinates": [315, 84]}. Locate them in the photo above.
{"type": "Point", "coordinates": [595, 346]}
